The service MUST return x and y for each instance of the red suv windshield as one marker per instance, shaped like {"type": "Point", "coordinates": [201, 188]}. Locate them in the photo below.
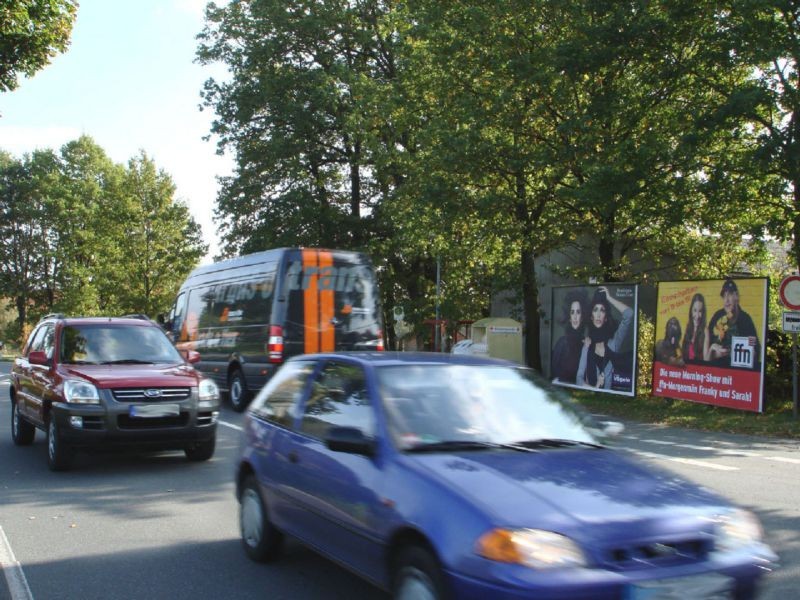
{"type": "Point", "coordinates": [115, 344]}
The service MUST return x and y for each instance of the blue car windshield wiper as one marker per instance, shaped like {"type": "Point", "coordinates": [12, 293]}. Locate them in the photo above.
{"type": "Point", "coordinates": [458, 445]}
{"type": "Point", "coordinates": [556, 443]}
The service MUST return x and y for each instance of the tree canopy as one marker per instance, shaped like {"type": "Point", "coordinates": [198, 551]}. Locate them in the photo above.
{"type": "Point", "coordinates": [80, 234]}
{"type": "Point", "coordinates": [486, 136]}
{"type": "Point", "coordinates": [32, 32]}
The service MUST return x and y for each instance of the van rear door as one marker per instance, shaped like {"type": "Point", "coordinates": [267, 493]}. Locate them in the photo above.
{"type": "Point", "coordinates": [332, 302]}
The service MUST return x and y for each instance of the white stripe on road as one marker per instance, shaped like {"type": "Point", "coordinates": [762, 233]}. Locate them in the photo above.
{"type": "Point", "coordinates": [724, 451]}
{"type": "Point", "coordinates": [231, 425]}
{"type": "Point", "coordinates": [15, 578]}
{"type": "Point", "coordinates": [685, 461]}
{"type": "Point", "coordinates": [794, 461]}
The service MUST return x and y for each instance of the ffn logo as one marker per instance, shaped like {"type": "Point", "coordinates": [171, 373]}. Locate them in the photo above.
{"type": "Point", "coordinates": [742, 353]}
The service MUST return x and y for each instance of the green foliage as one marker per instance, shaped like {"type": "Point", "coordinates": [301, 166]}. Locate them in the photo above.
{"type": "Point", "coordinates": [644, 355]}
{"type": "Point", "coordinates": [82, 235]}
{"type": "Point", "coordinates": [488, 134]}
{"type": "Point", "coordinates": [31, 33]}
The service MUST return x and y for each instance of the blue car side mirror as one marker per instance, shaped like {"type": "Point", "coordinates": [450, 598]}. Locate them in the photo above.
{"type": "Point", "coordinates": [349, 439]}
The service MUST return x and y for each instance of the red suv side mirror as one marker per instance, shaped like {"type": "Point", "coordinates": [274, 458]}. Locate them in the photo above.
{"type": "Point", "coordinates": [37, 357]}
{"type": "Point", "coordinates": [192, 356]}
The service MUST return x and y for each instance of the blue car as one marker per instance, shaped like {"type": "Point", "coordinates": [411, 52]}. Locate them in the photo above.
{"type": "Point", "coordinates": [452, 476]}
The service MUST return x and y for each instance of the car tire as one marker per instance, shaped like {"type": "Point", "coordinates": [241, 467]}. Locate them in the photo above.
{"type": "Point", "coordinates": [22, 432]}
{"type": "Point", "coordinates": [59, 453]}
{"type": "Point", "coordinates": [417, 575]}
{"type": "Point", "coordinates": [262, 541]}
{"type": "Point", "coordinates": [238, 393]}
{"type": "Point", "coordinates": [201, 450]}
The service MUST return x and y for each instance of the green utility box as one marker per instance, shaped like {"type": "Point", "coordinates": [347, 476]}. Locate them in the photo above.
{"type": "Point", "coordinates": [499, 338]}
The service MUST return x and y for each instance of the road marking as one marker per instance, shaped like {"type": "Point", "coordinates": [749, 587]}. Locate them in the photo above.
{"type": "Point", "coordinates": [685, 461]}
{"type": "Point", "coordinates": [15, 578]}
{"type": "Point", "coordinates": [722, 451]}
{"type": "Point", "coordinates": [794, 461]}
{"type": "Point", "coordinates": [231, 425]}
{"type": "Point", "coordinates": [703, 448]}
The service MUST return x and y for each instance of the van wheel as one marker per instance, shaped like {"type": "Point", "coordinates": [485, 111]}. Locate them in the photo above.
{"type": "Point", "coordinates": [238, 393]}
{"type": "Point", "coordinates": [22, 432]}
{"type": "Point", "coordinates": [59, 453]}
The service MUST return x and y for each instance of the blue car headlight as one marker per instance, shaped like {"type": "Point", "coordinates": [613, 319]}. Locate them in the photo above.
{"type": "Point", "coordinates": [533, 548]}
{"type": "Point", "coordinates": [736, 529]}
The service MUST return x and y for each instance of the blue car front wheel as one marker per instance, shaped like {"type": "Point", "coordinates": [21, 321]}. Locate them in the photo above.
{"type": "Point", "coordinates": [262, 541]}
{"type": "Point", "coordinates": [417, 576]}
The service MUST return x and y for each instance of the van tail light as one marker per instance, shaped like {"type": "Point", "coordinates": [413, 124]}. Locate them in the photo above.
{"type": "Point", "coordinates": [380, 347]}
{"type": "Point", "coordinates": [275, 344]}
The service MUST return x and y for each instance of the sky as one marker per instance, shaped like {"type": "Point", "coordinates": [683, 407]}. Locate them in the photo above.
{"type": "Point", "coordinates": [129, 81]}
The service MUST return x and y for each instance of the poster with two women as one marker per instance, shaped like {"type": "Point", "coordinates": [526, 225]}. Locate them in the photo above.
{"type": "Point", "coordinates": [593, 337]}
{"type": "Point", "coordinates": [710, 341]}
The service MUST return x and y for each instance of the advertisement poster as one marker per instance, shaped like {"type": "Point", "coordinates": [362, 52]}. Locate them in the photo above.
{"type": "Point", "coordinates": [710, 341]}
{"type": "Point", "coordinates": [593, 337]}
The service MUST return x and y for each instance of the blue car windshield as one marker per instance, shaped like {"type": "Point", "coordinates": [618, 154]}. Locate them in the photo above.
{"type": "Point", "coordinates": [496, 405]}
{"type": "Point", "coordinates": [101, 344]}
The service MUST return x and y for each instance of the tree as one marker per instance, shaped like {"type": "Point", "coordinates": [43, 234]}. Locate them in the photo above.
{"type": "Point", "coordinates": [161, 244]}
{"type": "Point", "coordinates": [31, 33]}
{"type": "Point", "coordinates": [764, 38]}
{"type": "Point", "coordinates": [307, 113]}
{"type": "Point", "coordinates": [82, 235]}
{"type": "Point", "coordinates": [24, 231]}
{"type": "Point", "coordinates": [286, 112]}
{"type": "Point", "coordinates": [649, 149]}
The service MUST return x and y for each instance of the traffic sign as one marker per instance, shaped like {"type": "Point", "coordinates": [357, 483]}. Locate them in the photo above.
{"type": "Point", "coordinates": [791, 321]}
{"type": "Point", "coordinates": [789, 292]}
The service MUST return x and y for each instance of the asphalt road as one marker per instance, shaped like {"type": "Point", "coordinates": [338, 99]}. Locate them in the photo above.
{"type": "Point", "coordinates": [156, 526]}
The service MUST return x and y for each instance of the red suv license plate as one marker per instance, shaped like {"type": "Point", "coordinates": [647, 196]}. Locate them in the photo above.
{"type": "Point", "coordinates": [154, 410]}
{"type": "Point", "coordinates": [712, 586]}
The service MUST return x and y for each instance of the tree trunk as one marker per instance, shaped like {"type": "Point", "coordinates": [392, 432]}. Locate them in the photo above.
{"type": "Point", "coordinates": [796, 227]}
{"type": "Point", "coordinates": [530, 307]}
{"type": "Point", "coordinates": [22, 304]}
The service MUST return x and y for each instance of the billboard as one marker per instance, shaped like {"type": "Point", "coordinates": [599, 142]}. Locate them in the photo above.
{"type": "Point", "coordinates": [710, 341]}
{"type": "Point", "coordinates": [593, 337]}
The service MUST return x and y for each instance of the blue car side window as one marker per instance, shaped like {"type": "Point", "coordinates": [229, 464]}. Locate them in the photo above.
{"type": "Point", "coordinates": [276, 401]}
{"type": "Point", "coordinates": [338, 397]}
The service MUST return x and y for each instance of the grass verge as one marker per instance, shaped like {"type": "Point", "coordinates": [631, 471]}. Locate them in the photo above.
{"type": "Point", "coordinates": [776, 421]}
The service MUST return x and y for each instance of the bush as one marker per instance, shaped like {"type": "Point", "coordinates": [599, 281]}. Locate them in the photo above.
{"type": "Point", "coordinates": [644, 358]}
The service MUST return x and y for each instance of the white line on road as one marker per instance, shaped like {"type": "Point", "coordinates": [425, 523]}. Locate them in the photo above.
{"type": "Point", "coordinates": [794, 461]}
{"type": "Point", "coordinates": [685, 461]}
{"type": "Point", "coordinates": [722, 451]}
{"type": "Point", "coordinates": [231, 425]}
{"type": "Point", "coordinates": [15, 578]}
{"type": "Point", "coordinates": [703, 448]}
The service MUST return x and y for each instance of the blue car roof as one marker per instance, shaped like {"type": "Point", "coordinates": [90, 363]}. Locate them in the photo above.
{"type": "Point", "coordinates": [381, 359]}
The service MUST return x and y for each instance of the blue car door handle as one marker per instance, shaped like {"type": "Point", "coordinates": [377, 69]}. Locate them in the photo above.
{"type": "Point", "coordinates": [293, 457]}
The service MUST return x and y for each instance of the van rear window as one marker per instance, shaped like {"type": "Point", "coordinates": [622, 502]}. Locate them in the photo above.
{"type": "Point", "coordinates": [345, 278]}
{"type": "Point", "coordinates": [240, 302]}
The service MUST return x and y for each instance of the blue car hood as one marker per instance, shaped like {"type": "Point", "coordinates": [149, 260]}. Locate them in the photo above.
{"type": "Point", "coordinates": [567, 487]}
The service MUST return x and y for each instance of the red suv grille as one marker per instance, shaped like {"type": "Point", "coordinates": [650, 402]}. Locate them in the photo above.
{"type": "Point", "coordinates": [151, 394]}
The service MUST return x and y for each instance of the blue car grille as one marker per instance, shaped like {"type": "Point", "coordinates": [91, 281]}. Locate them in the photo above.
{"type": "Point", "coordinates": [167, 394]}
{"type": "Point", "coordinates": [649, 554]}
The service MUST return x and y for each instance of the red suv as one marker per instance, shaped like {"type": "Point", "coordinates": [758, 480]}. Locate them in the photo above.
{"type": "Point", "coordinates": [110, 382]}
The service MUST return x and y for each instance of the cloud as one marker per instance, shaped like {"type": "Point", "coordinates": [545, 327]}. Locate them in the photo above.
{"type": "Point", "coordinates": [194, 7]}
{"type": "Point", "coordinates": [18, 140]}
